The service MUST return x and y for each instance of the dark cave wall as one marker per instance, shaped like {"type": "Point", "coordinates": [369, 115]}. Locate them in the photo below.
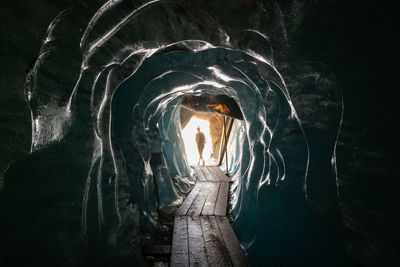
{"type": "Point", "coordinates": [352, 38]}
{"type": "Point", "coordinates": [23, 28]}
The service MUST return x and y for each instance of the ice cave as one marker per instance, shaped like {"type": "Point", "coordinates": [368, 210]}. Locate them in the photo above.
{"type": "Point", "coordinates": [100, 104]}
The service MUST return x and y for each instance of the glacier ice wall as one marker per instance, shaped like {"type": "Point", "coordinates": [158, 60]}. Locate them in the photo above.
{"type": "Point", "coordinates": [121, 103]}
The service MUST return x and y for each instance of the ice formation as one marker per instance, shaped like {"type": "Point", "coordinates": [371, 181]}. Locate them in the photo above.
{"type": "Point", "coordinates": [125, 98]}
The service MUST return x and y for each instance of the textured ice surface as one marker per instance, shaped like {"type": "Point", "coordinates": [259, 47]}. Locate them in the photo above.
{"type": "Point", "coordinates": [126, 94]}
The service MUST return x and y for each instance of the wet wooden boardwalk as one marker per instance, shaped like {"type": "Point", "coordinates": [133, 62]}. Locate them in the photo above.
{"type": "Point", "coordinates": [202, 233]}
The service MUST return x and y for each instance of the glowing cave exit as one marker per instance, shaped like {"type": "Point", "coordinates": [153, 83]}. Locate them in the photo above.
{"type": "Point", "coordinates": [188, 136]}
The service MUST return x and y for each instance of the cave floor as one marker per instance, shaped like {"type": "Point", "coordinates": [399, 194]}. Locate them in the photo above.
{"type": "Point", "coordinates": [202, 234]}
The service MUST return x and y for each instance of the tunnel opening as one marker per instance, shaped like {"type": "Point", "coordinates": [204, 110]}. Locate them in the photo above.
{"type": "Point", "coordinates": [173, 137]}
{"type": "Point", "coordinates": [217, 129]}
{"type": "Point", "coordinates": [188, 136]}
{"type": "Point", "coordinates": [217, 114]}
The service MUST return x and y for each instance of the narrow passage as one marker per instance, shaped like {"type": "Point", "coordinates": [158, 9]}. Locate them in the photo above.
{"type": "Point", "coordinates": [202, 234]}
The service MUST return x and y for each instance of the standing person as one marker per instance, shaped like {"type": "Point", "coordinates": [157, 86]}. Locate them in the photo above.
{"type": "Point", "coordinates": [200, 140]}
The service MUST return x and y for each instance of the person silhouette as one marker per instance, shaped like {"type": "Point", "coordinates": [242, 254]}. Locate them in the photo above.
{"type": "Point", "coordinates": [200, 140]}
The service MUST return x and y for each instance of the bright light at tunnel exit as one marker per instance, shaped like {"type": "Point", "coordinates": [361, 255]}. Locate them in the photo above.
{"type": "Point", "coordinates": [189, 139]}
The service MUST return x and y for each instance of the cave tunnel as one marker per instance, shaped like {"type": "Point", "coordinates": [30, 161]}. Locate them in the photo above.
{"type": "Point", "coordinates": [100, 105]}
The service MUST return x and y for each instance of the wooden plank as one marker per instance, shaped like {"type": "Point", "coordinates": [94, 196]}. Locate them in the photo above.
{"type": "Point", "coordinates": [212, 172]}
{"type": "Point", "coordinates": [197, 250]}
{"type": "Point", "coordinates": [226, 134]}
{"type": "Point", "coordinates": [222, 200]}
{"type": "Point", "coordinates": [222, 174]}
{"type": "Point", "coordinates": [218, 174]}
{"type": "Point", "coordinates": [207, 174]}
{"type": "Point", "coordinates": [189, 199]}
{"type": "Point", "coordinates": [217, 253]}
{"type": "Point", "coordinates": [200, 174]}
{"type": "Point", "coordinates": [180, 244]}
{"type": "Point", "coordinates": [179, 260]}
{"type": "Point", "coordinates": [198, 203]}
{"type": "Point", "coordinates": [209, 205]}
{"type": "Point", "coordinates": [232, 244]}
{"type": "Point", "coordinates": [206, 240]}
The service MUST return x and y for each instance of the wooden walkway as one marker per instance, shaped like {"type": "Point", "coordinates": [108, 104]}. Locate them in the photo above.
{"type": "Point", "coordinates": [202, 233]}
